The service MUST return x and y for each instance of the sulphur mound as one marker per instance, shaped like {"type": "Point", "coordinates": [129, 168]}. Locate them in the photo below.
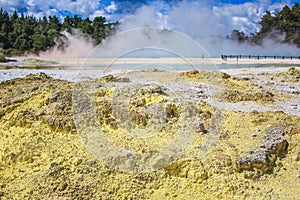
{"type": "Point", "coordinates": [42, 156]}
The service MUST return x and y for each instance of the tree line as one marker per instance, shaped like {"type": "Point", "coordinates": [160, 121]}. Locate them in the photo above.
{"type": "Point", "coordinates": [27, 34]}
{"type": "Point", "coordinates": [286, 22]}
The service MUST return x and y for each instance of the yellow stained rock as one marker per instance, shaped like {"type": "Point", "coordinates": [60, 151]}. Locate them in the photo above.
{"type": "Point", "coordinates": [43, 157]}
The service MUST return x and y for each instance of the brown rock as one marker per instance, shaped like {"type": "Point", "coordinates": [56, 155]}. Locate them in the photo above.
{"type": "Point", "coordinates": [263, 160]}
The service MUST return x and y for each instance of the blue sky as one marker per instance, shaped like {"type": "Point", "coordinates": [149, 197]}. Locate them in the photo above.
{"type": "Point", "coordinates": [229, 14]}
{"type": "Point", "coordinates": [85, 7]}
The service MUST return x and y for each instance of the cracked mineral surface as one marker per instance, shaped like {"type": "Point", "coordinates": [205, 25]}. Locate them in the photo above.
{"type": "Point", "coordinates": [246, 141]}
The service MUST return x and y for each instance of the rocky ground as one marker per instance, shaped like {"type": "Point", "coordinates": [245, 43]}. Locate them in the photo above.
{"type": "Point", "coordinates": [151, 135]}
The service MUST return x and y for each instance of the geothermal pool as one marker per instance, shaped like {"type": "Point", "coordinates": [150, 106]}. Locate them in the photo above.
{"type": "Point", "coordinates": [74, 69]}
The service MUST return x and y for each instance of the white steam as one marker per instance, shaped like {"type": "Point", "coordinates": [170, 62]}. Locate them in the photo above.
{"type": "Point", "coordinates": [209, 26]}
{"type": "Point", "coordinates": [70, 46]}
{"type": "Point", "coordinates": [199, 21]}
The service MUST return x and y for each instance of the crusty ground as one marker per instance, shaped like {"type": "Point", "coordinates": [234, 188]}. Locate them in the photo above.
{"type": "Point", "coordinates": [43, 156]}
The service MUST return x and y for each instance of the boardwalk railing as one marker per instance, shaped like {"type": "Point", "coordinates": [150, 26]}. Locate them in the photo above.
{"type": "Point", "coordinates": [237, 57]}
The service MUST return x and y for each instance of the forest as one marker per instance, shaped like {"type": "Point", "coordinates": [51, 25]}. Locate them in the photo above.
{"type": "Point", "coordinates": [284, 23]}
{"type": "Point", "coordinates": [27, 34]}
{"type": "Point", "coordinates": [20, 34]}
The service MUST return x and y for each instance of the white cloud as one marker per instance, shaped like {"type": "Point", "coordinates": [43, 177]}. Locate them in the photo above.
{"type": "Point", "coordinates": [111, 8]}
{"type": "Point", "coordinates": [195, 14]}
{"type": "Point", "coordinates": [46, 7]}
{"type": "Point", "coordinates": [208, 25]}
{"type": "Point", "coordinates": [107, 12]}
{"type": "Point", "coordinates": [99, 13]}
{"type": "Point", "coordinates": [81, 7]}
{"type": "Point", "coordinates": [11, 6]}
{"type": "Point", "coordinates": [244, 24]}
{"type": "Point", "coordinates": [199, 20]}
{"type": "Point", "coordinates": [245, 16]}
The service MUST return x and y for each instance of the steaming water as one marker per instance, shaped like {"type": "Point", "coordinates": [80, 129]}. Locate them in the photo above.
{"type": "Point", "coordinates": [199, 67]}
{"type": "Point", "coordinates": [74, 69]}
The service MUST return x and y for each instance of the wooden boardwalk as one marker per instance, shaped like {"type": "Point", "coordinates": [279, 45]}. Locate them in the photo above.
{"type": "Point", "coordinates": [257, 57]}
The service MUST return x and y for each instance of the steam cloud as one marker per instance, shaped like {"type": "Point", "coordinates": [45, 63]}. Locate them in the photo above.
{"type": "Point", "coordinates": [207, 25]}
{"type": "Point", "coordinates": [70, 46]}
